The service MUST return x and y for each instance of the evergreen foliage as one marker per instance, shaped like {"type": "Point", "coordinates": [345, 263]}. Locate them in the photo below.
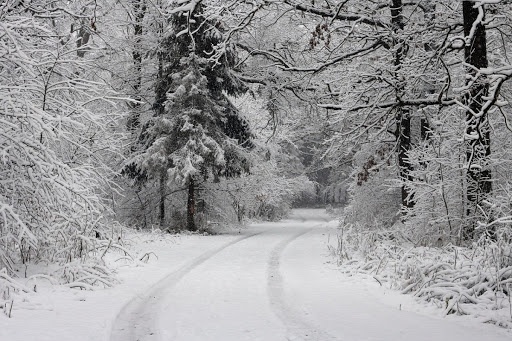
{"type": "Point", "coordinates": [196, 133]}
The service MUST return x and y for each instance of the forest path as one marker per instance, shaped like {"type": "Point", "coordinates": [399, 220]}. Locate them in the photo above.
{"type": "Point", "coordinates": [274, 283]}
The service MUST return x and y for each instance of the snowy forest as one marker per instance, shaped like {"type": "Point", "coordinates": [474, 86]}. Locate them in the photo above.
{"type": "Point", "coordinates": [190, 115]}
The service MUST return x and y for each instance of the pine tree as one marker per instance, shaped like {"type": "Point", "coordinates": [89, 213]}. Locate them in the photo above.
{"type": "Point", "coordinates": [195, 134]}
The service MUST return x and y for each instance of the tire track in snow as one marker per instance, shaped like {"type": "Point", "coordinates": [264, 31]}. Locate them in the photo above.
{"type": "Point", "coordinates": [298, 329]}
{"type": "Point", "coordinates": [135, 320]}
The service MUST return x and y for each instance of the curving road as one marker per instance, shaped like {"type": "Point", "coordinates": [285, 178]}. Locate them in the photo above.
{"type": "Point", "coordinates": [272, 284]}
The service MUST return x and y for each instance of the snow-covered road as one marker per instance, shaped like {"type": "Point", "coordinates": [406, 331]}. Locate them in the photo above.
{"type": "Point", "coordinates": [274, 283]}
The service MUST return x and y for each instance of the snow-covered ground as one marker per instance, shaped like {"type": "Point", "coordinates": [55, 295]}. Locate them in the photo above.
{"type": "Point", "coordinates": [270, 282]}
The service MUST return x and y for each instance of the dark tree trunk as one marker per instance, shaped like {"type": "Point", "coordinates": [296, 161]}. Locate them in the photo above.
{"type": "Point", "coordinates": [163, 181]}
{"type": "Point", "coordinates": [83, 37]}
{"type": "Point", "coordinates": [139, 11]}
{"type": "Point", "coordinates": [404, 144]}
{"type": "Point", "coordinates": [160, 91]}
{"type": "Point", "coordinates": [478, 142]}
{"type": "Point", "coordinates": [430, 16]}
{"type": "Point", "coordinates": [403, 117]}
{"type": "Point", "coordinates": [191, 205]}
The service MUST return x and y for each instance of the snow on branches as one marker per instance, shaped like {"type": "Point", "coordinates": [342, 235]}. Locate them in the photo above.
{"type": "Point", "coordinates": [54, 136]}
{"type": "Point", "coordinates": [473, 281]}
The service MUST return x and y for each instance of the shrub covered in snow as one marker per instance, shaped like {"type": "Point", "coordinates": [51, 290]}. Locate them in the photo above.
{"type": "Point", "coordinates": [55, 135]}
{"type": "Point", "coordinates": [475, 280]}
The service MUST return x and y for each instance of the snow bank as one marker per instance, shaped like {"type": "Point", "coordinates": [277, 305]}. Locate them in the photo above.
{"type": "Point", "coordinates": [475, 281]}
{"type": "Point", "coordinates": [43, 307]}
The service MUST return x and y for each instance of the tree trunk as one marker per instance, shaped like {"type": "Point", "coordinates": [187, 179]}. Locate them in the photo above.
{"type": "Point", "coordinates": [404, 145]}
{"type": "Point", "coordinates": [403, 116]}
{"type": "Point", "coordinates": [139, 11]}
{"type": "Point", "coordinates": [163, 181]}
{"type": "Point", "coordinates": [83, 37]}
{"type": "Point", "coordinates": [430, 17]}
{"type": "Point", "coordinates": [477, 139]}
{"type": "Point", "coordinates": [191, 205]}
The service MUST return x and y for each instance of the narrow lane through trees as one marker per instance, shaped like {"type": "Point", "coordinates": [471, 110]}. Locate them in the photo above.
{"type": "Point", "coordinates": [273, 283]}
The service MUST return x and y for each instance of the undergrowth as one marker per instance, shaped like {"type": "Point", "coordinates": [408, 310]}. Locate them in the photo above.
{"type": "Point", "coordinates": [474, 280]}
{"type": "Point", "coordinates": [94, 268]}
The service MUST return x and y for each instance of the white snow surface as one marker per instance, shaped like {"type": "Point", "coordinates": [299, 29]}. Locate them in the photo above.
{"type": "Point", "coordinates": [268, 282]}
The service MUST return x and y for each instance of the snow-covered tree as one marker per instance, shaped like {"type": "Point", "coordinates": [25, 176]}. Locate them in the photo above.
{"type": "Point", "coordinates": [195, 133]}
{"type": "Point", "coordinates": [386, 78]}
{"type": "Point", "coordinates": [55, 134]}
